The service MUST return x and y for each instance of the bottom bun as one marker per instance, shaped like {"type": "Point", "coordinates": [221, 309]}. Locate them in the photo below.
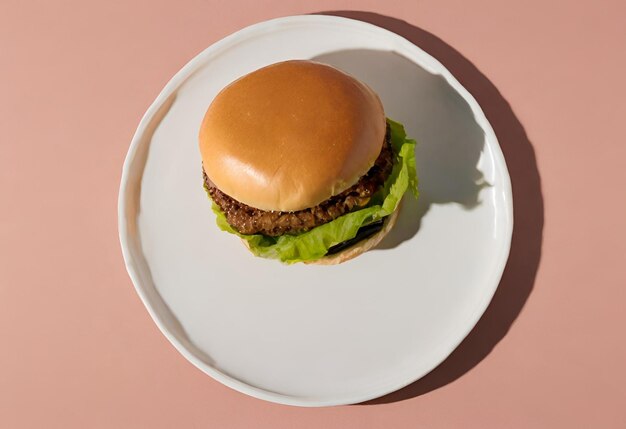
{"type": "Point", "coordinates": [360, 247]}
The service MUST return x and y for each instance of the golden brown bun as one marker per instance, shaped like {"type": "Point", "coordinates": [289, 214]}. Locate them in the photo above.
{"type": "Point", "coordinates": [359, 248]}
{"type": "Point", "coordinates": [291, 135]}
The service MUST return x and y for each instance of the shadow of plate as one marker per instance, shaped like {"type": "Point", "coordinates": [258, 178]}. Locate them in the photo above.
{"type": "Point", "coordinates": [450, 143]}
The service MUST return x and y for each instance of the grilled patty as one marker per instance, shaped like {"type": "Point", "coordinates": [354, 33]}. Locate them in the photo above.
{"type": "Point", "coordinates": [248, 220]}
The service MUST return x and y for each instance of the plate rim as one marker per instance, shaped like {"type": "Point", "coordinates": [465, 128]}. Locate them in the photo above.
{"type": "Point", "coordinates": [180, 77]}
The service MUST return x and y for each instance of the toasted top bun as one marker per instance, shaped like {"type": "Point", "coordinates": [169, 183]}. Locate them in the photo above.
{"type": "Point", "coordinates": [291, 135]}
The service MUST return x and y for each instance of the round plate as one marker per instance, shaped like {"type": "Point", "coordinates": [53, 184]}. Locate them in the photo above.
{"type": "Point", "coordinates": [319, 335]}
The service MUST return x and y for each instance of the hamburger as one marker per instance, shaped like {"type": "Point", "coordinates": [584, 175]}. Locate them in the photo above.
{"type": "Point", "coordinates": [302, 164]}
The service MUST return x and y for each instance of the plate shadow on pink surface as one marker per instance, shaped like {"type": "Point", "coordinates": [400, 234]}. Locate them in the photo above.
{"type": "Point", "coordinates": [521, 268]}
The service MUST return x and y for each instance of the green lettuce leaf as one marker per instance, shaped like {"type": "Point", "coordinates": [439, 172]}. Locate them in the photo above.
{"type": "Point", "coordinates": [314, 244]}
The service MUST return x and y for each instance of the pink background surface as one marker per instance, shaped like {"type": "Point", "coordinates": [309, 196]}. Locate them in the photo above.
{"type": "Point", "coordinates": [78, 347]}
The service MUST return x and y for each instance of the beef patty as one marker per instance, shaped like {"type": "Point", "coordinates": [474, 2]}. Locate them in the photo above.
{"type": "Point", "coordinates": [248, 220]}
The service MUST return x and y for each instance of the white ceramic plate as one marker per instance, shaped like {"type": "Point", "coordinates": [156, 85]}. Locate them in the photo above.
{"type": "Point", "coordinates": [319, 335]}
